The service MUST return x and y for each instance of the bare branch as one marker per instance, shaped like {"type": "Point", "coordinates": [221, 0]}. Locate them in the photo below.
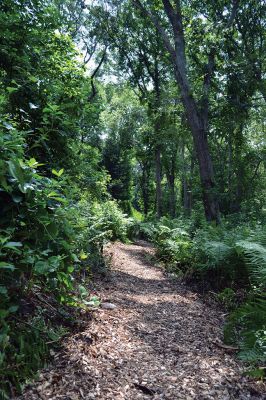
{"type": "Point", "coordinates": [89, 53]}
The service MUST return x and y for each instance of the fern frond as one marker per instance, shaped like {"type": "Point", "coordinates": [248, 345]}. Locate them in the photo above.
{"type": "Point", "coordinates": [255, 256]}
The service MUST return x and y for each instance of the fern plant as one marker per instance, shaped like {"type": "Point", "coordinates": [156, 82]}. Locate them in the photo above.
{"type": "Point", "coordinates": [247, 325]}
{"type": "Point", "coordinates": [255, 256]}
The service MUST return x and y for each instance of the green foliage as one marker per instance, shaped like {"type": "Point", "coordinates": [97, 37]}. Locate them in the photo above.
{"type": "Point", "coordinates": [49, 175]}
{"type": "Point", "coordinates": [24, 348]}
{"type": "Point", "coordinates": [225, 258]}
{"type": "Point", "coordinates": [75, 152]}
{"type": "Point", "coordinates": [173, 245]}
{"type": "Point", "coordinates": [142, 230]}
{"type": "Point", "coordinates": [227, 298]}
{"type": "Point", "coordinates": [115, 222]}
{"type": "Point", "coordinates": [37, 247]}
{"type": "Point", "coordinates": [247, 324]}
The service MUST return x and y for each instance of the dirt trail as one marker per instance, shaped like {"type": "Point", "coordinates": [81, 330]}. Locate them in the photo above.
{"type": "Point", "coordinates": [160, 342]}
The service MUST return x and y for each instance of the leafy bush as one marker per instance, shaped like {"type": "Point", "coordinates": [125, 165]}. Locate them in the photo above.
{"type": "Point", "coordinates": [215, 256]}
{"type": "Point", "coordinates": [142, 230]}
{"type": "Point", "coordinates": [45, 239]}
{"type": "Point", "coordinates": [113, 220]}
{"type": "Point", "coordinates": [173, 245]}
{"type": "Point", "coordinates": [23, 353]}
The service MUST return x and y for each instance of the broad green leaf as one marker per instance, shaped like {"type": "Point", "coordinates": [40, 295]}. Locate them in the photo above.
{"type": "Point", "coordinates": [52, 229]}
{"type": "Point", "coordinates": [4, 265]}
{"type": "Point", "coordinates": [33, 163]}
{"type": "Point", "coordinates": [11, 89]}
{"type": "Point", "coordinates": [41, 267]}
{"type": "Point", "coordinates": [16, 171]}
{"type": "Point", "coordinates": [58, 173]}
{"type": "Point", "coordinates": [33, 79]}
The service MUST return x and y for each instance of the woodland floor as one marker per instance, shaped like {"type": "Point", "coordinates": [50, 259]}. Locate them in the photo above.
{"type": "Point", "coordinates": [160, 342]}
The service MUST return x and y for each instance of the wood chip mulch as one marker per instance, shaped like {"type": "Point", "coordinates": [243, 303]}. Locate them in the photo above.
{"type": "Point", "coordinates": [161, 341]}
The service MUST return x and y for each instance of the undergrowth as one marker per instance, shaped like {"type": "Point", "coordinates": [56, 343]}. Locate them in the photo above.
{"type": "Point", "coordinates": [228, 259]}
{"type": "Point", "coordinates": [51, 235]}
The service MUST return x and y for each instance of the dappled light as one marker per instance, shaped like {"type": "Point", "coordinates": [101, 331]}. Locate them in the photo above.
{"type": "Point", "coordinates": [132, 199]}
{"type": "Point", "coordinates": [161, 342]}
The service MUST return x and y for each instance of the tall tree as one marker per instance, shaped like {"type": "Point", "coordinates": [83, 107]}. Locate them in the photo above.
{"type": "Point", "coordinates": [197, 113]}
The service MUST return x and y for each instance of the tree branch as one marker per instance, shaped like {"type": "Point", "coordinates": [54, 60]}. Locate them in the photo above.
{"type": "Point", "coordinates": [155, 20]}
{"type": "Point", "coordinates": [233, 14]}
{"type": "Point", "coordinates": [206, 88]}
{"type": "Point", "coordinates": [94, 91]}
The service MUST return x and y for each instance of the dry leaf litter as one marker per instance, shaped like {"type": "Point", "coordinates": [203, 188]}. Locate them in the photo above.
{"type": "Point", "coordinates": [153, 339]}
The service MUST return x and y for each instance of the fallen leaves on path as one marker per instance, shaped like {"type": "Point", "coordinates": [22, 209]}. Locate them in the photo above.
{"type": "Point", "coordinates": [158, 341]}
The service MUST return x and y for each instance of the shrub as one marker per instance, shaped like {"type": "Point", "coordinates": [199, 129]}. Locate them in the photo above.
{"type": "Point", "coordinates": [112, 219]}
{"type": "Point", "coordinates": [173, 245]}
{"type": "Point", "coordinates": [45, 238]}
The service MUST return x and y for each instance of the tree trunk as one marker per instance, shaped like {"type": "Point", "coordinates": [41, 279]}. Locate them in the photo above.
{"type": "Point", "coordinates": [186, 184]}
{"type": "Point", "coordinates": [158, 180]}
{"type": "Point", "coordinates": [186, 196]}
{"type": "Point", "coordinates": [199, 134]}
{"type": "Point", "coordinates": [145, 190]}
{"type": "Point", "coordinates": [172, 194]}
{"type": "Point", "coordinates": [171, 175]}
{"type": "Point", "coordinates": [197, 116]}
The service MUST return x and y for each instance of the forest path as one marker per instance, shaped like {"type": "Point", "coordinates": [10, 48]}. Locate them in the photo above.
{"type": "Point", "coordinates": [160, 342]}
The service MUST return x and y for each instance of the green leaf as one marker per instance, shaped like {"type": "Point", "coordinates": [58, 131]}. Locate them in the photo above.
{"type": "Point", "coordinates": [4, 184]}
{"type": "Point", "coordinates": [70, 269]}
{"type": "Point", "coordinates": [11, 89]}
{"type": "Point", "coordinates": [33, 79]}
{"type": "Point", "coordinates": [33, 163]}
{"type": "Point", "coordinates": [4, 265]}
{"type": "Point", "coordinates": [3, 314]}
{"type": "Point", "coordinates": [75, 258]}
{"type": "Point", "coordinates": [41, 267]}
{"type": "Point", "coordinates": [52, 229]}
{"type": "Point", "coordinates": [11, 245]}
{"type": "Point", "coordinates": [3, 290]}
{"type": "Point", "coordinates": [83, 291]}
{"type": "Point", "coordinates": [52, 194]}
{"type": "Point", "coordinates": [83, 256]}
{"type": "Point", "coordinates": [58, 173]}
{"type": "Point", "coordinates": [16, 171]}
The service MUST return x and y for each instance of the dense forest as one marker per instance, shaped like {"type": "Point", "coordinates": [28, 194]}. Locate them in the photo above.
{"type": "Point", "coordinates": [123, 120]}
